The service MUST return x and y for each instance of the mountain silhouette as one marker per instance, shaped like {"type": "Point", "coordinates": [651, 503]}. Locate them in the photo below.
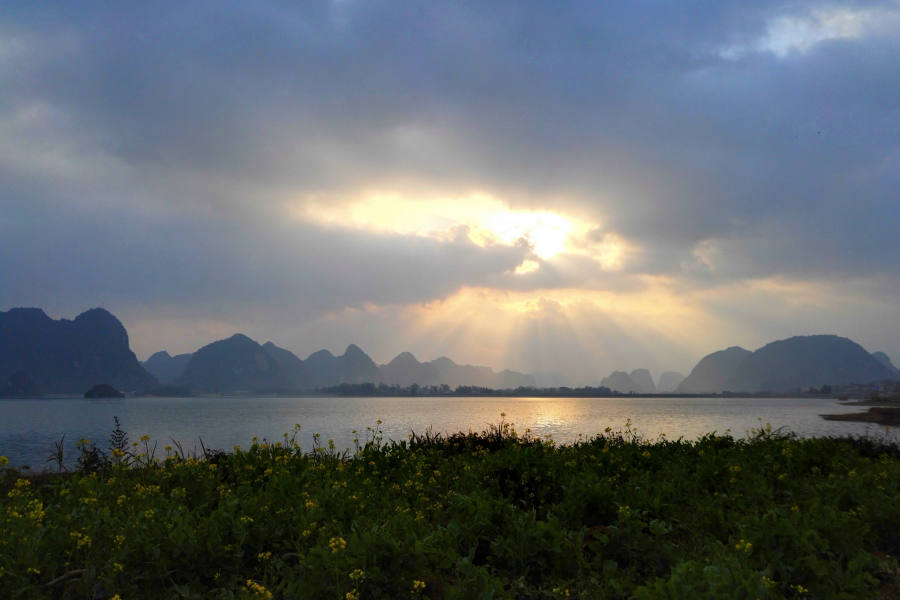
{"type": "Point", "coordinates": [405, 370]}
{"type": "Point", "coordinates": [354, 366]}
{"type": "Point", "coordinates": [886, 361]}
{"type": "Point", "coordinates": [805, 361]}
{"type": "Point", "coordinates": [19, 385]}
{"type": "Point", "coordinates": [456, 375]}
{"type": "Point", "coordinates": [234, 364]}
{"type": "Point", "coordinates": [66, 357]}
{"type": "Point", "coordinates": [165, 367]}
{"type": "Point", "coordinates": [711, 372]}
{"type": "Point", "coordinates": [669, 382]}
{"type": "Point", "coordinates": [297, 372]}
{"type": "Point", "coordinates": [551, 379]}
{"type": "Point", "coordinates": [643, 378]}
{"type": "Point", "coordinates": [620, 381]}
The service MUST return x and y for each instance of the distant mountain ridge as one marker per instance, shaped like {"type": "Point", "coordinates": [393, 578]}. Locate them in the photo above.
{"type": "Point", "coordinates": [165, 367]}
{"type": "Point", "coordinates": [669, 382]}
{"type": "Point", "coordinates": [323, 369]}
{"type": "Point", "coordinates": [234, 364]}
{"type": "Point", "coordinates": [40, 355]}
{"type": "Point", "coordinates": [805, 361]}
{"type": "Point", "coordinates": [406, 370]}
{"type": "Point", "coordinates": [885, 360]}
{"type": "Point", "coordinates": [69, 357]}
{"type": "Point", "coordinates": [299, 375]}
{"type": "Point", "coordinates": [456, 375]}
{"type": "Point", "coordinates": [644, 380]}
{"type": "Point", "coordinates": [620, 381]}
{"type": "Point", "coordinates": [792, 363]}
{"type": "Point", "coordinates": [711, 372]}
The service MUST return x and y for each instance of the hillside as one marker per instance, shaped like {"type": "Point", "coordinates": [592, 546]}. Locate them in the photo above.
{"type": "Point", "coordinates": [234, 364]}
{"type": "Point", "coordinates": [297, 372]}
{"type": "Point", "coordinates": [165, 367]}
{"type": "Point", "coordinates": [456, 375]}
{"type": "Point", "coordinates": [354, 366]}
{"type": "Point", "coordinates": [711, 372]}
{"type": "Point", "coordinates": [620, 381]}
{"type": "Point", "coordinates": [405, 370]}
{"type": "Point", "coordinates": [805, 361]}
{"type": "Point", "coordinates": [69, 357]}
{"type": "Point", "coordinates": [669, 382]}
{"type": "Point", "coordinates": [885, 360]}
{"type": "Point", "coordinates": [643, 378]}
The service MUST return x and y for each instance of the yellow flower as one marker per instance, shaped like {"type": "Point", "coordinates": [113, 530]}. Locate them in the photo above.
{"type": "Point", "coordinates": [745, 546]}
{"type": "Point", "coordinates": [354, 595]}
{"type": "Point", "coordinates": [3, 461]}
{"type": "Point", "coordinates": [646, 454]}
{"type": "Point", "coordinates": [356, 574]}
{"type": "Point", "coordinates": [418, 586]}
{"type": "Point", "coordinates": [337, 544]}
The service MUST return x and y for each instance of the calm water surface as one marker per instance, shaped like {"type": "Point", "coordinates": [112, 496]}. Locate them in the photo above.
{"type": "Point", "coordinates": [28, 428]}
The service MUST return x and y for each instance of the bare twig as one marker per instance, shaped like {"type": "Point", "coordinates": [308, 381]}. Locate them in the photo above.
{"type": "Point", "coordinates": [69, 575]}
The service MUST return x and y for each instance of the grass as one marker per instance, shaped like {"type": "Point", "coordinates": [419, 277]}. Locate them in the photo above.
{"type": "Point", "coordinates": [490, 515]}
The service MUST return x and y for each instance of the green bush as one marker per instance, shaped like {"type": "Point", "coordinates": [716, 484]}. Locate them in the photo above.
{"type": "Point", "coordinates": [492, 515]}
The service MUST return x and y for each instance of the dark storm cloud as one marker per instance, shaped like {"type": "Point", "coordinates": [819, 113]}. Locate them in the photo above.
{"type": "Point", "coordinates": [666, 121]}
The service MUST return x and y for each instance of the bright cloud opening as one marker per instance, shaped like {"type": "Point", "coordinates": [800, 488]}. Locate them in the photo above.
{"type": "Point", "coordinates": [800, 33]}
{"type": "Point", "coordinates": [484, 219]}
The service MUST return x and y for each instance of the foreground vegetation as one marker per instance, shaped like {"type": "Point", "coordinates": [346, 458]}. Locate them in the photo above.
{"type": "Point", "coordinates": [493, 515]}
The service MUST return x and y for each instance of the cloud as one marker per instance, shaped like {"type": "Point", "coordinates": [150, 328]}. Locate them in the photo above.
{"type": "Point", "coordinates": [235, 163]}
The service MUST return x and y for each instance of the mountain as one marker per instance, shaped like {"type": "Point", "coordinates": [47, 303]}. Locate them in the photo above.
{"type": "Point", "coordinates": [405, 370]}
{"type": "Point", "coordinates": [620, 381]}
{"type": "Point", "coordinates": [19, 386]}
{"type": "Point", "coordinates": [165, 367]}
{"type": "Point", "coordinates": [886, 361]}
{"type": "Point", "coordinates": [456, 375]}
{"type": "Point", "coordinates": [669, 381]}
{"type": "Point", "coordinates": [711, 372]}
{"type": "Point", "coordinates": [235, 364]}
{"type": "Point", "coordinates": [323, 367]}
{"type": "Point", "coordinates": [64, 357]}
{"type": "Point", "coordinates": [354, 366]}
{"type": "Point", "coordinates": [507, 379]}
{"type": "Point", "coordinates": [551, 379]}
{"type": "Point", "coordinates": [643, 378]}
{"type": "Point", "coordinates": [805, 361]}
{"type": "Point", "coordinates": [298, 373]}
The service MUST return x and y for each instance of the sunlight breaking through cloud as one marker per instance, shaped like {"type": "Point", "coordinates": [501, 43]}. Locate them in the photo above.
{"type": "Point", "coordinates": [481, 218]}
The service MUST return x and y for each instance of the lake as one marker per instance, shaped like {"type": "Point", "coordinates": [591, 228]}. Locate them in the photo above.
{"type": "Point", "coordinates": [28, 428]}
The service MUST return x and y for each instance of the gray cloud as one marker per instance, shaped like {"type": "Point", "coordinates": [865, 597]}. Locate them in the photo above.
{"type": "Point", "coordinates": [161, 141]}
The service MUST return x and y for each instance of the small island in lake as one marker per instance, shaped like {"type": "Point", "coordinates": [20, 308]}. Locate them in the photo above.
{"type": "Point", "coordinates": [102, 390]}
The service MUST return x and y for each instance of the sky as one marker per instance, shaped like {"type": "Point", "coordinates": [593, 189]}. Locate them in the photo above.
{"type": "Point", "coordinates": [556, 186]}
